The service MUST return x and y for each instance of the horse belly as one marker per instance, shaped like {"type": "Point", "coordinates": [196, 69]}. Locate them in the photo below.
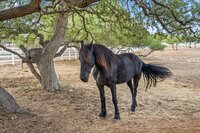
{"type": "Point", "coordinates": [125, 74]}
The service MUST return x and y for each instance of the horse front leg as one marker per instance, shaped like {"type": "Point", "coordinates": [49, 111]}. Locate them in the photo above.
{"type": "Point", "coordinates": [115, 102]}
{"type": "Point", "coordinates": [103, 112]}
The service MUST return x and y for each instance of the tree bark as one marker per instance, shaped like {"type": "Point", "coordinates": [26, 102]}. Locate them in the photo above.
{"type": "Point", "coordinates": [49, 78]}
{"type": "Point", "coordinates": [46, 64]}
{"type": "Point", "coordinates": [8, 103]}
{"type": "Point", "coordinates": [172, 46]}
{"type": "Point", "coordinates": [32, 7]}
{"type": "Point", "coordinates": [176, 46]}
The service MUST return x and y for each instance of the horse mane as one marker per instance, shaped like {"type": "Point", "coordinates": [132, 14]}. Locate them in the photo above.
{"type": "Point", "coordinates": [103, 55]}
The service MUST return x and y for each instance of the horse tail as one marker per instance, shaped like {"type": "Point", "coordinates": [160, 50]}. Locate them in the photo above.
{"type": "Point", "coordinates": [153, 73]}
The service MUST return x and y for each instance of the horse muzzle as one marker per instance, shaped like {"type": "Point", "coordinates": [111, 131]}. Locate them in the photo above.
{"type": "Point", "coordinates": [84, 78]}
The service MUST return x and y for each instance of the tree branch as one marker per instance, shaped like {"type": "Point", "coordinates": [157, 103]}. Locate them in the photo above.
{"type": "Point", "coordinates": [61, 51]}
{"type": "Point", "coordinates": [147, 54]}
{"type": "Point", "coordinates": [26, 52]}
{"type": "Point", "coordinates": [85, 27]}
{"type": "Point", "coordinates": [34, 72]}
{"type": "Point", "coordinates": [41, 37]}
{"type": "Point", "coordinates": [32, 7]}
{"type": "Point", "coordinates": [80, 3]}
{"type": "Point", "coordinates": [184, 23]}
{"type": "Point", "coordinates": [13, 52]}
{"type": "Point", "coordinates": [30, 64]}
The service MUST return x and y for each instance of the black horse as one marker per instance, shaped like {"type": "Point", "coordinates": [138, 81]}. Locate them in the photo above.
{"type": "Point", "coordinates": [111, 69]}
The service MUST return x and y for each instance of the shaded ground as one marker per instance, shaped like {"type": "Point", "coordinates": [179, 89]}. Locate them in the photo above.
{"type": "Point", "coordinates": [172, 106]}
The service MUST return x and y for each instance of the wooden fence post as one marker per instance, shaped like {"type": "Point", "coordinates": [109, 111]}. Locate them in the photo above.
{"type": "Point", "coordinates": [13, 59]}
{"type": "Point", "coordinates": [75, 53]}
{"type": "Point", "coordinates": [69, 54]}
{"type": "Point", "coordinates": [62, 56]}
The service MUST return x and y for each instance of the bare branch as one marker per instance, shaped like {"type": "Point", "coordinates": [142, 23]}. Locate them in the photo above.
{"type": "Point", "coordinates": [41, 37]}
{"type": "Point", "coordinates": [54, 12]}
{"type": "Point", "coordinates": [13, 52]}
{"type": "Point", "coordinates": [147, 54]}
{"type": "Point", "coordinates": [32, 7]}
{"type": "Point", "coordinates": [25, 50]}
{"type": "Point", "coordinates": [148, 12]}
{"type": "Point", "coordinates": [38, 20]}
{"type": "Point", "coordinates": [184, 23]}
{"type": "Point", "coordinates": [67, 45]}
{"type": "Point", "coordinates": [85, 27]}
{"type": "Point", "coordinates": [61, 51]}
{"type": "Point", "coordinates": [34, 72]}
{"type": "Point", "coordinates": [30, 64]}
{"type": "Point", "coordinates": [78, 33]}
{"type": "Point", "coordinates": [81, 3]}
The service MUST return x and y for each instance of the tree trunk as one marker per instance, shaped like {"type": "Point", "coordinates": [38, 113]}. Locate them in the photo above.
{"type": "Point", "coordinates": [172, 46]}
{"type": "Point", "coordinates": [8, 103]}
{"type": "Point", "coordinates": [49, 78]}
{"type": "Point", "coordinates": [43, 57]}
{"type": "Point", "coordinates": [176, 46]}
{"type": "Point", "coordinates": [45, 65]}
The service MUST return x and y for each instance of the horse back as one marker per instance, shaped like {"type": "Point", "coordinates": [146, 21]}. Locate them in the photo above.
{"type": "Point", "coordinates": [129, 65]}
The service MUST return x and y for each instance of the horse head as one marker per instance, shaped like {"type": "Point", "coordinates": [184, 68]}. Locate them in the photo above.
{"type": "Point", "coordinates": [87, 60]}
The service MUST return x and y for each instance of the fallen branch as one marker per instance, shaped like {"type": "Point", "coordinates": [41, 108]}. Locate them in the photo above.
{"type": "Point", "coordinates": [146, 54]}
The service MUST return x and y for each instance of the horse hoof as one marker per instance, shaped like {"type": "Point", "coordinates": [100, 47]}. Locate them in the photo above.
{"type": "Point", "coordinates": [117, 117]}
{"type": "Point", "coordinates": [102, 115]}
{"type": "Point", "coordinates": [133, 109]}
{"type": "Point", "coordinates": [116, 121]}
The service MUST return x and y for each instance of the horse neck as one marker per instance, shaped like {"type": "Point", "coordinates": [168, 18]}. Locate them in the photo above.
{"type": "Point", "coordinates": [101, 61]}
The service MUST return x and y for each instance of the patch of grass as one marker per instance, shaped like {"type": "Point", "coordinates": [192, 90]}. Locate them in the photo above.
{"type": "Point", "coordinates": [28, 88]}
{"type": "Point", "coordinates": [66, 87]}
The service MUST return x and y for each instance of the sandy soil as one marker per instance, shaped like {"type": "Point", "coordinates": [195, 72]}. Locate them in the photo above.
{"type": "Point", "coordinates": [172, 106]}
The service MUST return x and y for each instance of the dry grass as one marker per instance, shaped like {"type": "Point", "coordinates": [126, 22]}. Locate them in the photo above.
{"type": "Point", "coordinates": [172, 106]}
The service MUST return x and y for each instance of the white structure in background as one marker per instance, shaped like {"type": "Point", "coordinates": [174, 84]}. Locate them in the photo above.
{"type": "Point", "coordinates": [118, 50]}
{"type": "Point", "coordinates": [187, 44]}
{"type": "Point", "coordinates": [71, 53]}
{"type": "Point", "coordinates": [9, 58]}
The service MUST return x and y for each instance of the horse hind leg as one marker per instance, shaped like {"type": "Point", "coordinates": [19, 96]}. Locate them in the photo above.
{"type": "Point", "coordinates": [133, 89]}
{"type": "Point", "coordinates": [130, 85]}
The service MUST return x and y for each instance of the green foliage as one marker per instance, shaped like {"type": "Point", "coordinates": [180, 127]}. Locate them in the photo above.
{"type": "Point", "coordinates": [122, 31]}
{"type": "Point", "coordinates": [151, 42]}
{"type": "Point", "coordinates": [17, 30]}
{"type": "Point", "coordinates": [114, 24]}
{"type": "Point", "coordinates": [154, 44]}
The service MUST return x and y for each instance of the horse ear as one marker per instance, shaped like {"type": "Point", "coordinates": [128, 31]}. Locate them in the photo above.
{"type": "Point", "coordinates": [82, 43]}
{"type": "Point", "coordinates": [90, 46]}
{"type": "Point", "coordinates": [91, 42]}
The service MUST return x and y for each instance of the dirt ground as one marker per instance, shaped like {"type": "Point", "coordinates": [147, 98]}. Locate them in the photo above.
{"type": "Point", "coordinates": [172, 106]}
